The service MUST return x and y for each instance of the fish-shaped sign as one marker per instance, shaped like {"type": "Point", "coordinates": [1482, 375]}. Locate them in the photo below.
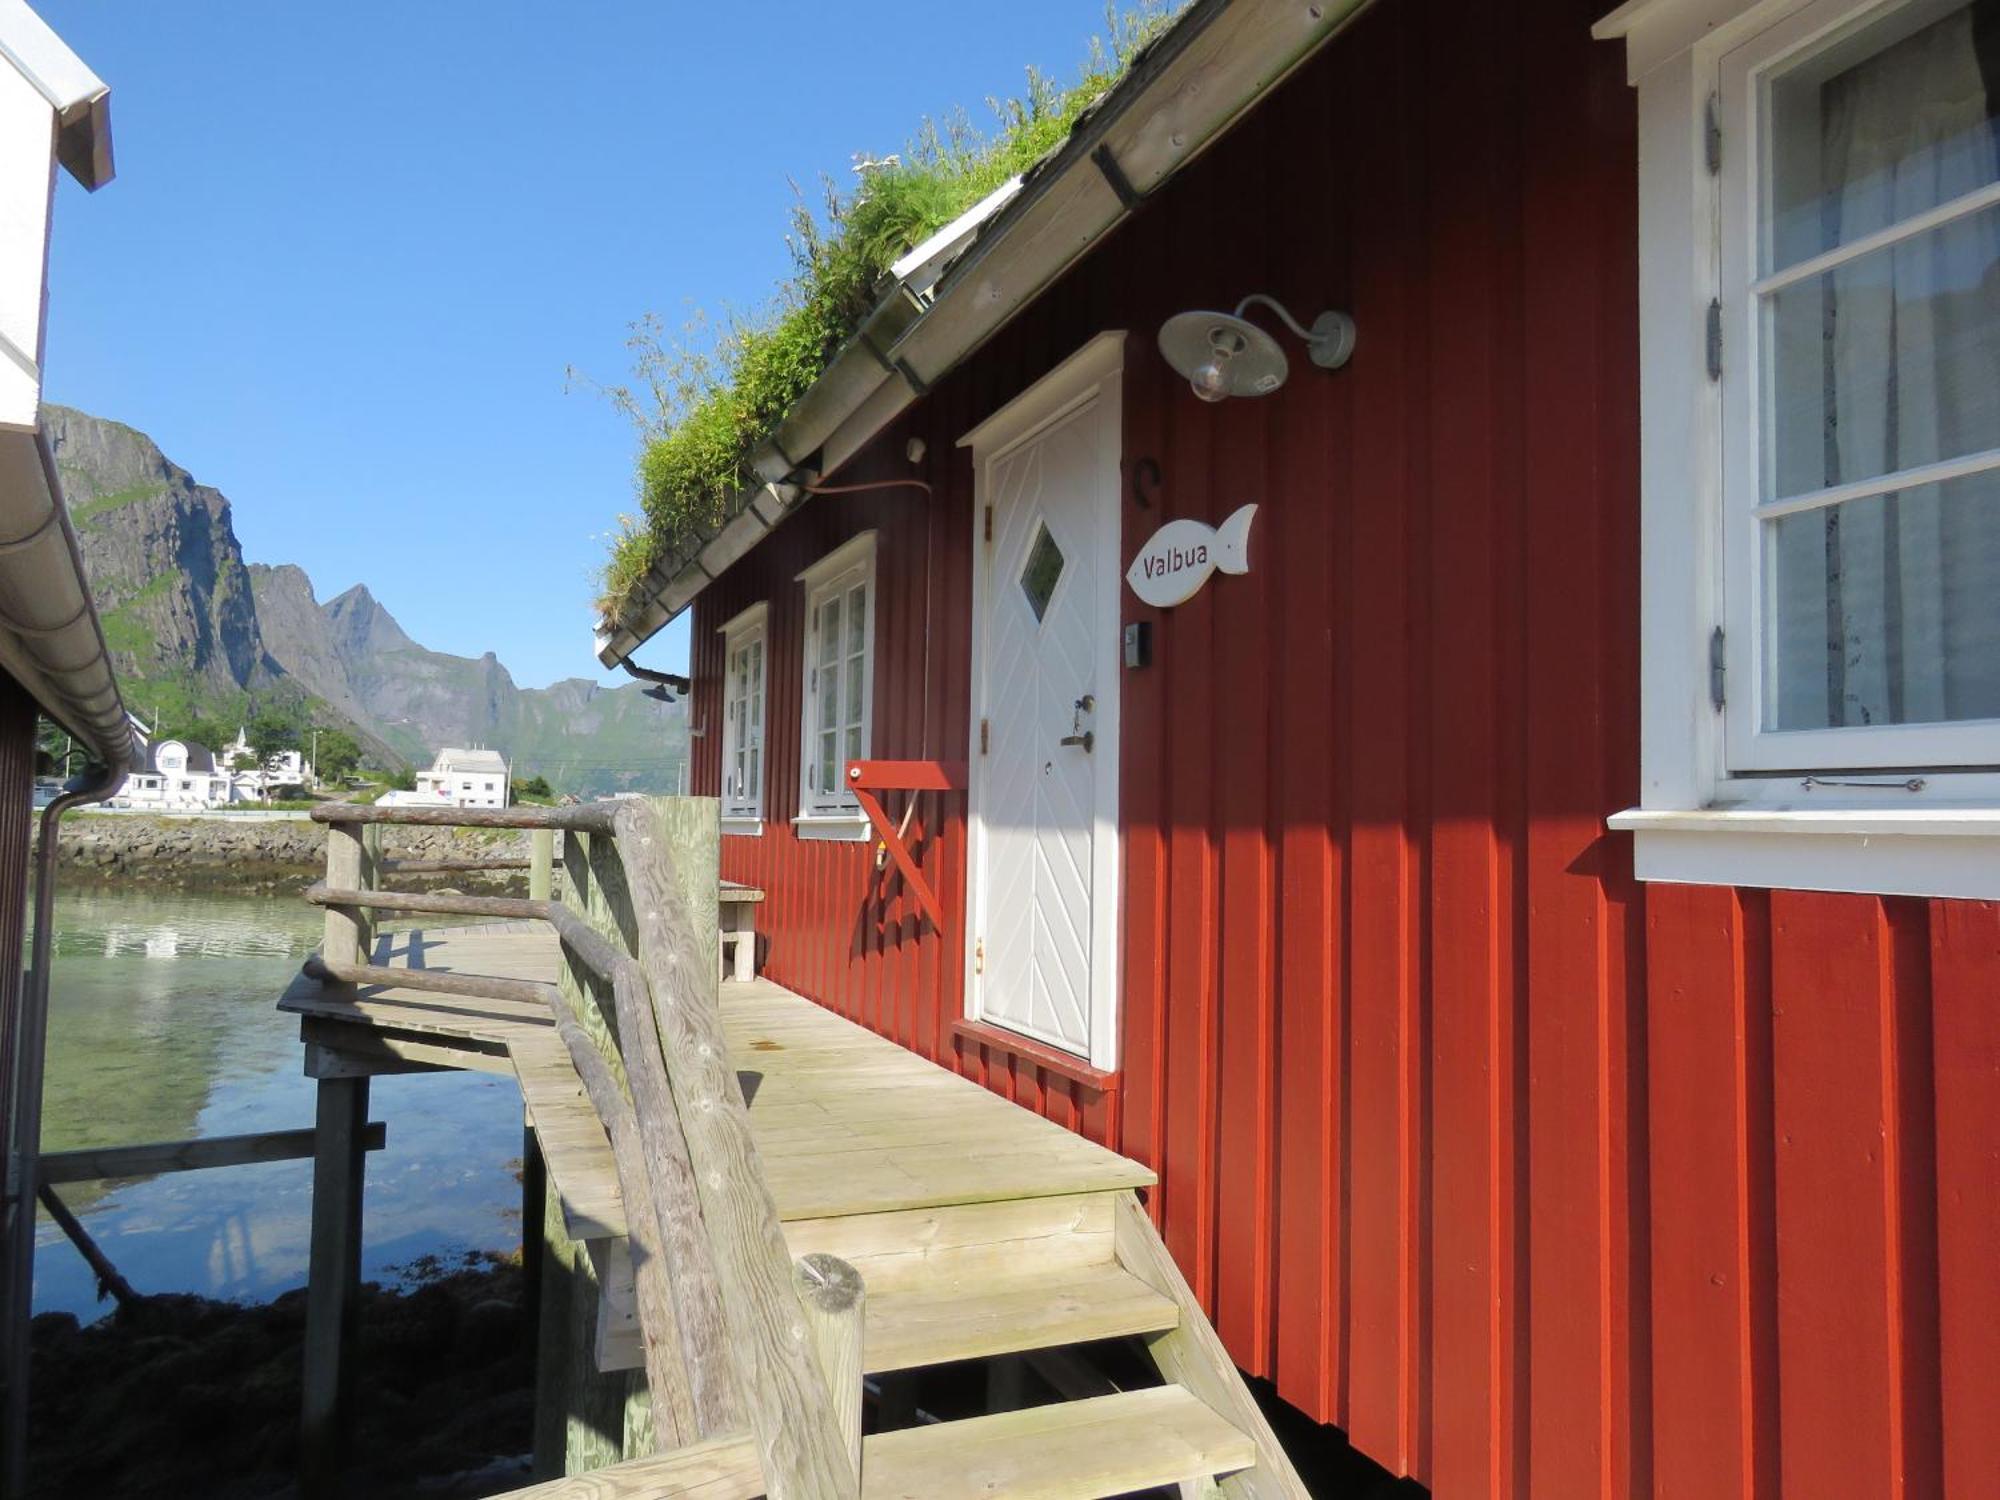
{"type": "Point", "coordinates": [1171, 568]}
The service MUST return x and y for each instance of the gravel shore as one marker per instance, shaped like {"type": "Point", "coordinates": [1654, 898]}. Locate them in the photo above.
{"type": "Point", "coordinates": [246, 853]}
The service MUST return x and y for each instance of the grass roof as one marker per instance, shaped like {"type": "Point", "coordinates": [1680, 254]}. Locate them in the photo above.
{"type": "Point", "coordinates": [705, 399]}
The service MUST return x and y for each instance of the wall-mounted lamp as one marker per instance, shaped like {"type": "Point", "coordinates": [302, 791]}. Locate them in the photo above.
{"type": "Point", "coordinates": [1225, 354]}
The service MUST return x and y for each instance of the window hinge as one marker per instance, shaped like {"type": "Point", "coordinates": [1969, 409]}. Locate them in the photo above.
{"type": "Point", "coordinates": [989, 523]}
{"type": "Point", "coordinates": [1718, 668]}
{"type": "Point", "coordinates": [1712, 135]}
{"type": "Point", "coordinates": [979, 957]}
{"type": "Point", "coordinates": [1715, 339]}
{"type": "Point", "coordinates": [985, 734]}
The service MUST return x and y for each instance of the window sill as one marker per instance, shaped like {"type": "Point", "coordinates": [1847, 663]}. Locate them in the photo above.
{"type": "Point", "coordinates": [843, 828]}
{"type": "Point", "coordinates": [1935, 851]}
{"type": "Point", "coordinates": [1048, 1059]}
{"type": "Point", "coordinates": [743, 827]}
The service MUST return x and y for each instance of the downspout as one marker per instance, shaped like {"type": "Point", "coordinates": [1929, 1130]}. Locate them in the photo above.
{"type": "Point", "coordinates": [31, 1041]}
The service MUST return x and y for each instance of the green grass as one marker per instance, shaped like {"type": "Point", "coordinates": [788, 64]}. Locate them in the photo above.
{"type": "Point", "coordinates": [706, 401]}
{"type": "Point", "coordinates": [127, 635]}
{"type": "Point", "coordinates": [90, 510]}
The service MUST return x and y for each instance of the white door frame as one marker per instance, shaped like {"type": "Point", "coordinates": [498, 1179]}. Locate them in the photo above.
{"type": "Point", "coordinates": [1091, 377]}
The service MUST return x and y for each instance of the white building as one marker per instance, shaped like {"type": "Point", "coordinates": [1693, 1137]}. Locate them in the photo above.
{"type": "Point", "coordinates": [177, 777]}
{"type": "Point", "coordinates": [284, 772]}
{"type": "Point", "coordinates": [463, 778]}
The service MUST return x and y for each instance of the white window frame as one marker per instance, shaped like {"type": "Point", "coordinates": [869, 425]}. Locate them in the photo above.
{"type": "Point", "coordinates": [743, 808]}
{"type": "Point", "coordinates": [1706, 816]}
{"type": "Point", "coordinates": [834, 813]}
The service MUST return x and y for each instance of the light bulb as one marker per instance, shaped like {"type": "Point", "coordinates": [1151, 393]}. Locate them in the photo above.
{"type": "Point", "coordinates": [1211, 378]}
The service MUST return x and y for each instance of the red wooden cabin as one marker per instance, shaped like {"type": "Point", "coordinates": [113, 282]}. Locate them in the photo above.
{"type": "Point", "coordinates": [1555, 986]}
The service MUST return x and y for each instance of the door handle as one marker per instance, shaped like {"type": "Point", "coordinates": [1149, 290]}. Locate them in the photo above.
{"type": "Point", "coordinates": [1078, 735]}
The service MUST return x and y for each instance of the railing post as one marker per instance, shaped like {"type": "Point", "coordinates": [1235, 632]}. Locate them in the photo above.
{"type": "Point", "coordinates": [344, 860]}
{"type": "Point", "coordinates": [365, 920]}
{"type": "Point", "coordinates": [834, 1299]}
{"type": "Point", "coordinates": [541, 863]}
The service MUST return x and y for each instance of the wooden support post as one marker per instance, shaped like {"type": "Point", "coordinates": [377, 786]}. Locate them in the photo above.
{"type": "Point", "coordinates": [344, 858]}
{"type": "Point", "coordinates": [541, 863]}
{"type": "Point", "coordinates": [1006, 1383]}
{"type": "Point", "coordinates": [333, 1284]}
{"type": "Point", "coordinates": [834, 1299]}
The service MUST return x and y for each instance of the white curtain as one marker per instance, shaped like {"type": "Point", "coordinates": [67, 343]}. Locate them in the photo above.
{"type": "Point", "coordinates": [1889, 608]}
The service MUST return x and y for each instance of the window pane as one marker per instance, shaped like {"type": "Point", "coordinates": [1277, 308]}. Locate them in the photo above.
{"type": "Point", "coordinates": [857, 618]}
{"type": "Point", "coordinates": [854, 680]}
{"type": "Point", "coordinates": [1886, 610]}
{"type": "Point", "coordinates": [829, 770]}
{"type": "Point", "coordinates": [829, 697]}
{"type": "Point", "coordinates": [854, 742]}
{"type": "Point", "coordinates": [1043, 567]}
{"type": "Point", "coordinates": [829, 632]}
{"type": "Point", "coordinates": [1888, 361]}
{"type": "Point", "coordinates": [1889, 119]}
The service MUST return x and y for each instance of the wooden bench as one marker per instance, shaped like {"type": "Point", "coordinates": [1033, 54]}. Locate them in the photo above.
{"type": "Point", "coordinates": [738, 907]}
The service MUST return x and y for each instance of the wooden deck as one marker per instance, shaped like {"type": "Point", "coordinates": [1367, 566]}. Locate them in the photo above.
{"type": "Point", "coordinates": [846, 1122]}
{"type": "Point", "coordinates": [980, 1230]}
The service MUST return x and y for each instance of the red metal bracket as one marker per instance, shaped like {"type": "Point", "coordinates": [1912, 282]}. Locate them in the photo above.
{"type": "Point", "coordinates": [867, 777]}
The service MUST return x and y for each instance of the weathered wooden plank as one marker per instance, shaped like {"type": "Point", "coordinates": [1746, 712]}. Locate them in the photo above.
{"type": "Point", "coordinates": [156, 1158]}
{"type": "Point", "coordinates": [575, 1145]}
{"type": "Point", "coordinates": [1193, 1355]}
{"type": "Point", "coordinates": [581, 1416]}
{"type": "Point", "coordinates": [342, 1049]}
{"type": "Point", "coordinates": [835, 1303]}
{"type": "Point", "coordinates": [671, 848]}
{"type": "Point", "coordinates": [719, 1469]}
{"type": "Point", "coordinates": [698, 1320]}
{"type": "Point", "coordinates": [587, 818]}
{"type": "Point", "coordinates": [1134, 1440]}
{"type": "Point", "coordinates": [673, 1416]}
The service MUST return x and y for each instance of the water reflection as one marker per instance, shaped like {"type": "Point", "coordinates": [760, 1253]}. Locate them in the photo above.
{"type": "Point", "coordinates": [162, 1027]}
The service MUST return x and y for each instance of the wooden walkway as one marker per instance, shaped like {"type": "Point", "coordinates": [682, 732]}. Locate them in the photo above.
{"type": "Point", "coordinates": [979, 1228]}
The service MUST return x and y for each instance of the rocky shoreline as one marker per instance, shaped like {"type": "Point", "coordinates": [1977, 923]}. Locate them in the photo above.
{"type": "Point", "coordinates": [247, 852]}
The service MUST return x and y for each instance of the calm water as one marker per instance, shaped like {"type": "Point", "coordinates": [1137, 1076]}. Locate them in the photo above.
{"type": "Point", "coordinates": [163, 1027]}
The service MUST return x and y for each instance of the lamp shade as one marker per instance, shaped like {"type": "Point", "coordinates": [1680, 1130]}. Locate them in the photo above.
{"type": "Point", "coordinates": [1223, 355]}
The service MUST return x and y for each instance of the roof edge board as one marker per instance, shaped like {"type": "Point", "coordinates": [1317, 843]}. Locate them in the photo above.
{"type": "Point", "coordinates": [81, 100]}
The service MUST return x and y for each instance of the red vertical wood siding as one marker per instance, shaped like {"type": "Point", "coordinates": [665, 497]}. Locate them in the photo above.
{"type": "Point", "coordinates": [1537, 1183]}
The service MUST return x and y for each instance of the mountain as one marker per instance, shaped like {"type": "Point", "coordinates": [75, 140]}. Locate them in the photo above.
{"type": "Point", "coordinates": [195, 632]}
{"type": "Point", "coordinates": [351, 653]}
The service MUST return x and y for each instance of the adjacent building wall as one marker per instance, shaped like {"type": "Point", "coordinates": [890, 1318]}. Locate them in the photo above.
{"type": "Point", "coordinates": [1538, 1182]}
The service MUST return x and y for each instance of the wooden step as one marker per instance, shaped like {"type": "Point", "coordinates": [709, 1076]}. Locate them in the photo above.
{"type": "Point", "coordinates": [931, 1325]}
{"type": "Point", "coordinates": [967, 1281]}
{"type": "Point", "coordinates": [1006, 1315]}
{"type": "Point", "coordinates": [1077, 1450]}
{"type": "Point", "coordinates": [1073, 1450]}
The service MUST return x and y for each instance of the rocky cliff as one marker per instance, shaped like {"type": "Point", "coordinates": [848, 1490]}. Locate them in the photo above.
{"type": "Point", "coordinates": [164, 563]}
{"type": "Point", "coordinates": [195, 630]}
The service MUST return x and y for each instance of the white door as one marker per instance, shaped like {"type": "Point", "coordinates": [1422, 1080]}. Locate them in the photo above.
{"type": "Point", "coordinates": [1044, 846]}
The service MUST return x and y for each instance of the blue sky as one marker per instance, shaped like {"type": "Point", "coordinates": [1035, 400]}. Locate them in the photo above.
{"type": "Point", "coordinates": [352, 246]}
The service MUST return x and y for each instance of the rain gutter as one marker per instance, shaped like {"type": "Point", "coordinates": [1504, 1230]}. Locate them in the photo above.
{"type": "Point", "coordinates": [1182, 92]}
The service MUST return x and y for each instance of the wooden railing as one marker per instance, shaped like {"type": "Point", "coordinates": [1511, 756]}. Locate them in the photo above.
{"type": "Point", "coordinates": [740, 1342]}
